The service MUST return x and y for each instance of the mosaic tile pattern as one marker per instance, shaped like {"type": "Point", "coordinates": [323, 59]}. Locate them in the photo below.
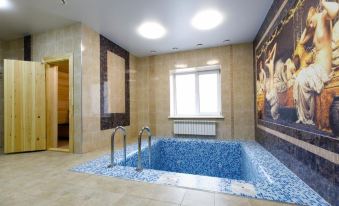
{"type": "Point", "coordinates": [216, 160]}
{"type": "Point", "coordinates": [270, 15]}
{"type": "Point", "coordinates": [306, 133]}
{"type": "Point", "coordinates": [264, 176]}
{"type": "Point", "coordinates": [320, 174]}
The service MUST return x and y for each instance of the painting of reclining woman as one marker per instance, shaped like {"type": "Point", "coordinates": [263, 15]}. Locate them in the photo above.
{"type": "Point", "coordinates": [298, 69]}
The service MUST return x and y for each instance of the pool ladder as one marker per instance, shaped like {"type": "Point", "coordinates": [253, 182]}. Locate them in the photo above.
{"type": "Point", "coordinates": [148, 130]}
{"type": "Point", "coordinates": [112, 144]}
{"type": "Point", "coordinates": [139, 167]}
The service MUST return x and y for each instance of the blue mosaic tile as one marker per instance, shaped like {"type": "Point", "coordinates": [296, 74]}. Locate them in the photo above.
{"type": "Point", "coordinates": [235, 167]}
{"type": "Point", "coordinates": [316, 172]}
{"type": "Point", "coordinates": [217, 160]}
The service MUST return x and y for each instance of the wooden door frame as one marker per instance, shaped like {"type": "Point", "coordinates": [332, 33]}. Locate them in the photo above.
{"type": "Point", "coordinates": [65, 57]}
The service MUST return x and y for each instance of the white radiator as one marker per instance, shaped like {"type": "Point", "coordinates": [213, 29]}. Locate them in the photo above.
{"type": "Point", "coordinates": [194, 127]}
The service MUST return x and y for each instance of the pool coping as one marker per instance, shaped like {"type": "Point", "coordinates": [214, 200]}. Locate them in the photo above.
{"type": "Point", "coordinates": [276, 182]}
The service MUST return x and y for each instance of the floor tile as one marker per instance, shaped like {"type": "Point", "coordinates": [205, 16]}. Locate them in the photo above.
{"type": "Point", "coordinates": [198, 198]}
{"type": "Point", "coordinates": [229, 200]}
{"type": "Point", "coordinates": [43, 178]}
{"type": "Point", "coordinates": [129, 200]}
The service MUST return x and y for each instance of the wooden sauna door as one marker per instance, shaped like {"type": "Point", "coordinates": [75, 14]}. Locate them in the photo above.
{"type": "Point", "coordinates": [24, 106]}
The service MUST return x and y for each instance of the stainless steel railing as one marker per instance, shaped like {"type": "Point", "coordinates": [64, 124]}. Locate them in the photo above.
{"type": "Point", "coordinates": [112, 145]}
{"type": "Point", "coordinates": [148, 130]}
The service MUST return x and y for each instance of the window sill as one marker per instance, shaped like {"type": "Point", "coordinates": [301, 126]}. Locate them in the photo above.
{"type": "Point", "coordinates": [196, 117]}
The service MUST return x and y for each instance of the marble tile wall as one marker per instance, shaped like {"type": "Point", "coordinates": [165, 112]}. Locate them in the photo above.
{"type": "Point", "coordinates": [75, 39]}
{"type": "Point", "coordinates": [92, 135]}
{"type": "Point", "coordinates": [149, 85]}
{"type": "Point", "coordinates": [243, 98]}
{"type": "Point", "coordinates": [1, 58]}
{"type": "Point", "coordinates": [13, 49]}
{"type": "Point", "coordinates": [236, 81]}
{"type": "Point", "coordinates": [113, 119]}
{"type": "Point", "coordinates": [1, 95]}
{"type": "Point", "coordinates": [59, 42]}
{"type": "Point", "coordinates": [149, 91]}
{"type": "Point", "coordinates": [143, 92]}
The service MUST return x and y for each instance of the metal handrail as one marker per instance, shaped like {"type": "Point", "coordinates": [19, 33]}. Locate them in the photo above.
{"type": "Point", "coordinates": [148, 130]}
{"type": "Point", "coordinates": [112, 145]}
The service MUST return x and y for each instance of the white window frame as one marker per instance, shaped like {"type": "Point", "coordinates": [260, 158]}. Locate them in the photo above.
{"type": "Point", "coordinates": [196, 71]}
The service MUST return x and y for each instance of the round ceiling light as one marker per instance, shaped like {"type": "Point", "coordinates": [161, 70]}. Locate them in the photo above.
{"type": "Point", "coordinates": [151, 30]}
{"type": "Point", "coordinates": [207, 19]}
{"type": "Point", "coordinates": [5, 4]}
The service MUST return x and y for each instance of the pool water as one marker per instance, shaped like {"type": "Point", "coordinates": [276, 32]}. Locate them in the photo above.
{"type": "Point", "coordinates": [235, 167]}
{"type": "Point", "coordinates": [215, 160]}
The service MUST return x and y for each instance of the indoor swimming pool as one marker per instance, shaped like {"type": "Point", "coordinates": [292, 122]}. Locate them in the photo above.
{"type": "Point", "coordinates": [235, 167]}
{"type": "Point", "coordinates": [195, 157]}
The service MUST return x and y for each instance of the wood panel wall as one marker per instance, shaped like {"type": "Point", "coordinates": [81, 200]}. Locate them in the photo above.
{"type": "Point", "coordinates": [63, 97]}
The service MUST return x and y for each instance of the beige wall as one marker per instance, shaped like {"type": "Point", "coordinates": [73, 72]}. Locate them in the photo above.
{"type": "Point", "coordinates": [243, 103]}
{"type": "Point", "coordinates": [13, 49]}
{"type": "Point", "coordinates": [1, 95]}
{"type": "Point", "coordinates": [1, 58]}
{"type": "Point", "coordinates": [236, 82]}
{"type": "Point", "coordinates": [149, 85]}
{"type": "Point", "coordinates": [58, 42]}
{"type": "Point", "coordinates": [143, 91]}
{"type": "Point", "coordinates": [52, 43]}
{"type": "Point", "coordinates": [115, 84]}
{"type": "Point", "coordinates": [149, 91]}
{"type": "Point", "coordinates": [93, 136]}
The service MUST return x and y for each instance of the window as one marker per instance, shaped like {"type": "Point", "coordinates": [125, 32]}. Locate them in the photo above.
{"type": "Point", "coordinates": [195, 92]}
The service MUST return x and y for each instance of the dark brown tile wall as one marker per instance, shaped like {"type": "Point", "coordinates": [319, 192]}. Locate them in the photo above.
{"type": "Point", "coordinates": [111, 120]}
{"type": "Point", "coordinates": [28, 48]}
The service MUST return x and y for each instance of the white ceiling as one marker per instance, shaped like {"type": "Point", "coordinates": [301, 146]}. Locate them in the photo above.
{"type": "Point", "coordinates": [118, 21]}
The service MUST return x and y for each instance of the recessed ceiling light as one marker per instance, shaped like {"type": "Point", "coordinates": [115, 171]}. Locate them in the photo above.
{"type": "Point", "coordinates": [207, 19]}
{"type": "Point", "coordinates": [180, 66]}
{"type": "Point", "coordinates": [212, 62]}
{"type": "Point", "coordinates": [5, 4]}
{"type": "Point", "coordinates": [151, 30]}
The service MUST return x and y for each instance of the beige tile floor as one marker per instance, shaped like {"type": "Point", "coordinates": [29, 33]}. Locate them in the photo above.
{"type": "Point", "coordinates": [43, 178]}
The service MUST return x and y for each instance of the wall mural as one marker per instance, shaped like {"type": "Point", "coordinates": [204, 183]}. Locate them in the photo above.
{"type": "Point", "coordinates": [297, 69]}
